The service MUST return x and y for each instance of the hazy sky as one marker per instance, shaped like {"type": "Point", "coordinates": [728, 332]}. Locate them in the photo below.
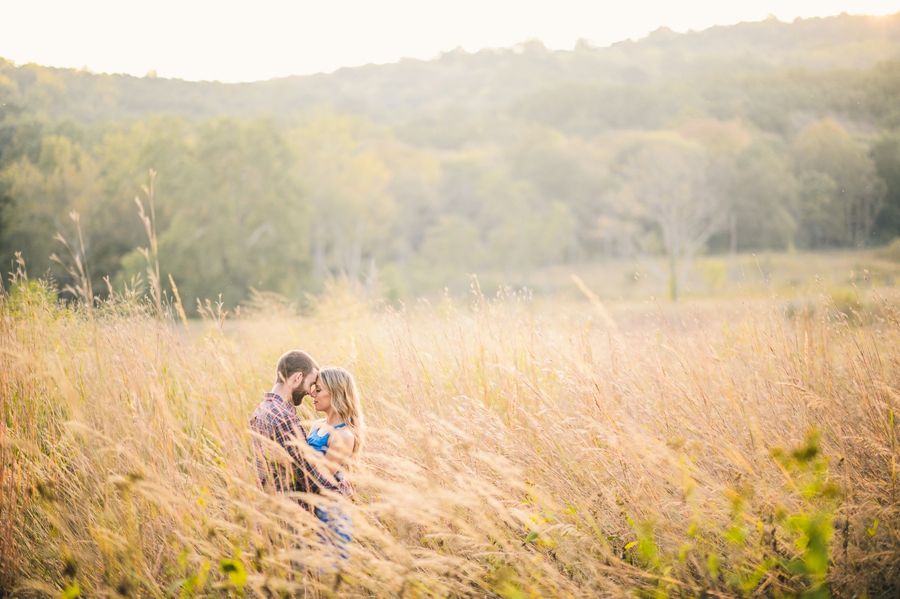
{"type": "Point", "coordinates": [230, 40]}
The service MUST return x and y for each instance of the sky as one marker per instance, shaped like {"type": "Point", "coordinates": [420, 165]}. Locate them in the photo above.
{"type": "Point", "coordinates": [228, 40]}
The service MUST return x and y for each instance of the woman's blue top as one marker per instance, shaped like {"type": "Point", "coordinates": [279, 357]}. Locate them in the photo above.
{"type": "Point", "coordinates": [320, 442]}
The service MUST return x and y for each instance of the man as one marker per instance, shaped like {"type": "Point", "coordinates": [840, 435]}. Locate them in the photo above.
{"type": "Point", "coordinates": [276, 419]}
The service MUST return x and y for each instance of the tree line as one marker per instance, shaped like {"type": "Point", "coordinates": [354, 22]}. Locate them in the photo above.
{"type": "Point", "coordinates": [734, 160]}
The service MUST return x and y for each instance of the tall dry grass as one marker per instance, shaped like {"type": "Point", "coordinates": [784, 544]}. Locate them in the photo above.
{"type": "Point", "coordinates": [513, 451]}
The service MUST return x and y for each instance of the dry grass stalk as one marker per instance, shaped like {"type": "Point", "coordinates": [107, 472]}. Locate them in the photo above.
{"type": "Point", "coordinates": [514, 452]}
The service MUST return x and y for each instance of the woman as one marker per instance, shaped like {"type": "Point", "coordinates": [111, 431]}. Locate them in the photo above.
{"type": "Point", "coordinates": [338, 437]}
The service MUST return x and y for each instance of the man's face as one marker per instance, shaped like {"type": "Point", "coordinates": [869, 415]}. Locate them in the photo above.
{"type": "Point", "coordinates": [302, 389]}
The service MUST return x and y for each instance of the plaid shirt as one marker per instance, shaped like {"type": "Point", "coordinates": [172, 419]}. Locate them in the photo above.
{"type": "Point", "coordinates": [275, 419]}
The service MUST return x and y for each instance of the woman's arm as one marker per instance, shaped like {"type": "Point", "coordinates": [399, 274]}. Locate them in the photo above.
{"type": "Point", "coordinates": [340, 445]}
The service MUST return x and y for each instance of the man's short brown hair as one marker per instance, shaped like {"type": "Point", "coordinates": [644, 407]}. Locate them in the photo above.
{"type": "Point", "coordinates": [293, 362]}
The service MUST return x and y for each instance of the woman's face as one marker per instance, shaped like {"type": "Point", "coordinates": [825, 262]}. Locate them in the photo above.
{"type": "Point", "coordinates": [321, 397]}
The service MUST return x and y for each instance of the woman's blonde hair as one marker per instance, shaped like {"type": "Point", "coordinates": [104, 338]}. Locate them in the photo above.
{"type": "Point", "coordinates": [345, 401]}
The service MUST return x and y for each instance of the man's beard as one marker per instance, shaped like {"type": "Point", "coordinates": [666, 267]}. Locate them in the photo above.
{"type": "Point", "coordinates": [297, 396]}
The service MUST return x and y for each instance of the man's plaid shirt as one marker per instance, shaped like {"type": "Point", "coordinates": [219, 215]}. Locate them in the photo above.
{"type": "Point", "coordinates": [275, 419]}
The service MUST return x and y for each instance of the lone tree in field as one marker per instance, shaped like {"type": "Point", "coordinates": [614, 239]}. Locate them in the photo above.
{"type": "Point", "coordinates": [677, 191]}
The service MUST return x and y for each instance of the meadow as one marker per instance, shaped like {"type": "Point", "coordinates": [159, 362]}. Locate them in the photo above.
{"type": "Point", "coordinates": [517, 447]}
{"type": "Point", "coordinates": [623, 283]}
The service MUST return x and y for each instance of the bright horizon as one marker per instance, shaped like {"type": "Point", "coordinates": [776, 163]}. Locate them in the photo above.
{"type": "Point", "coordinates": [226, 41]}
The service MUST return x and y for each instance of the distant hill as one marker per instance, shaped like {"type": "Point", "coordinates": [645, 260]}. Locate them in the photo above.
{"type": "Point", "coordinates": [467, 82]}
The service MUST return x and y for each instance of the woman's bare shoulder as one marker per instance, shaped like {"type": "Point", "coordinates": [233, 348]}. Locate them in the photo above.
{"type": "Point", "coordinates": [344, 434]}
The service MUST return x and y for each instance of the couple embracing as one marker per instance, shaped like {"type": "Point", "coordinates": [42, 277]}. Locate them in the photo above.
{"type": "Point", "coordinates": [315, 461]}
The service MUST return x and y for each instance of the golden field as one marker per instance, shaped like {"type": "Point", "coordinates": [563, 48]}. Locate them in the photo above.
{"type": "Point", "coordinates": [515, 448]}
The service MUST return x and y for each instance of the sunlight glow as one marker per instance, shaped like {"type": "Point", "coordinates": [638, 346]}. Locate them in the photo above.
{"type": "Point", "coordinates": [232, 41]}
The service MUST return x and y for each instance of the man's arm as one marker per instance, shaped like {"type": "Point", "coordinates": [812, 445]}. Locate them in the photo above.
{"type": "Point", "coordinates": [288, 433]}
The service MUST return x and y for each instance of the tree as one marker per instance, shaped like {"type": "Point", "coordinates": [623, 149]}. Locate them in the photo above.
{"type": "Point", "coordinates": [822, 221]}
{"type": "Point", "coordinates": [674, 187]}
{"type": "Point", "coordinates": [725, 140]}
{"type": "Point", "coordinates": [450, 252]}
{"type": "Point", "coordinates": [245, 221]}
{"type": "Point", "coordinates": [562, 170]}
{"type": "Point", "coordinates": [528, 239]}
{"type": "Point", "coordinates": [413, 185]}
{"type": "Point", "coordinates": [765, 196]}
{"type": "Point", "coordinates": [353, 212]}
{"type": "Point", "coordinates": [826, 157]}
{"type": "Point", "coordinates": [42, 195]}
{"type": "Point", "coordinates": [886, 155]}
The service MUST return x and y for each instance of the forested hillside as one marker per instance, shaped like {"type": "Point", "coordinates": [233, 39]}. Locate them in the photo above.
{"type": "Point", "coordinates": [408, 176]}
{"type": "Point", "coordinates": [490, 78]}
